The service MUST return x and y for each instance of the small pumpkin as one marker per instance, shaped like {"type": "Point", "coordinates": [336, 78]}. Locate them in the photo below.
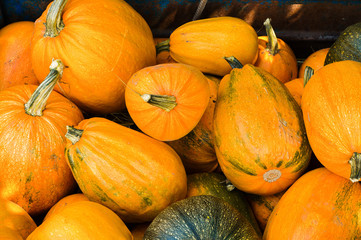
{"type": "Point", "coordinates": [275, 56]}
{"type": "Point", "coordinates": [82, 220]}
{"type": "Point", "coordinates": [297, 85]}
{"type": "Point", "coordinates": [163, 56]}
{"type": "Point", "coordinates": [315, 61]}
{"type": "Point", "coordinates": [15, 63]}
{"type": "Point", "coordinates": [319, 205]}
{"type": "Point", "coordinates": [200, 217]}
{"type": "Point", "coordinates": [166, 101]}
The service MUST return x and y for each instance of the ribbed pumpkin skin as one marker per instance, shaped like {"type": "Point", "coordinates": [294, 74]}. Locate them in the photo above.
{"type": "Point", "coordinates": [82, 220]}
{"type": "Point", "coordinates": [100, 48]}
{"type": "Point", "coordinates": [260, 139]}
{"type": "Point", "coordinates": [200, 217]}
{"type": "Point", "coordinates": [132, 174]}
{"type": "Point", "coordinates": [34, 172]}
{"type": "Point", "coordinates": [331, 106]}
{"type": "Point", "coordinates": [204, 43]}
{"type": "Point", "coordinates": [319, 205]}
{"type": "Point", "coordinates": [315, 60]}
{"type": "Point", "coordinates": [15, 63]}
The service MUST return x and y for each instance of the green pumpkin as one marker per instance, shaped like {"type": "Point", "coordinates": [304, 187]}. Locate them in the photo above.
{"type": "Point", "coordinates": [200, 217]}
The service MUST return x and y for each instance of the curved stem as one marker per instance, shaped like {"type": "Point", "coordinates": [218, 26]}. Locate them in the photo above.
{"type": "Point", "coordinates": [37, 101]}
{"type": "Point", "coordinates": [272, 44]}
{"type": "Point", "coordinates": [307, 75]}
{"type": "Point", "coordinates": [54, 23]}
{"type": "Point", "coordinates": [165, 102]}
{"type": "Point", "coordinates": [162, 46]}
{"type": "Point", "coordinates": [73, 134]}
{"type": "Point", "coordinates": [234, 62]}
{"type": "Point", "coordinates": [355, 163]}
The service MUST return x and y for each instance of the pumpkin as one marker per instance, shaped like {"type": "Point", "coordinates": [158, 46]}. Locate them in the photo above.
{"type": "Point", "coordinates": [260, 140]}
{"type": "Point", "coordinates": [196, 149]}
{"type": "Point", "coordinates": [275, 56]}
{"type": "Point", "coordinates": [82, 220]}
{"type": "Point", "coordinates": [331, 103]}
{"type": "Point", "coordinates": [216, 184]}
{"type": "Point", "coordinates": [166, 101]}
{"type": "Point", "coordinates": [347, 45]}
{"type": "Point", "coordinates": [203, 43]}
{"type": "Point", "coordinates": [163, 56]}
{"type": "Point", "coordinates": [319, 205]}
{"type": "Point", "coordinates": [62, 203]}
{"type": "Point", "coordinates": [33, 119]}
{"type": "Point", "coordinates": [315, 61]}
{"type": "Point", "coordinates": [296, 86]}
{"type": "Point", "coordinates": [14, 221]}
{"type": "Point", "coordinates": [15, 67]}
{"type": "Point", "coordinates": [101, 49]}
{"type": "Point", "coordinates": [131, 173]}
{"type": "Point", "coordinates": [138, 230]}
{"type": "Point", "coordinates": [200, 217]}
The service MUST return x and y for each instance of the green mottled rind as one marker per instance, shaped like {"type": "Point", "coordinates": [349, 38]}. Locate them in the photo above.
{"type": "Point", "coordinates": [347, 46]}
{"type": "Point", "coordinates": [200, 217]}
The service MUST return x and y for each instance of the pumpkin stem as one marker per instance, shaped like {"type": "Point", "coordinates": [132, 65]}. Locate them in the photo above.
{"type": "Point", "coordinates": [162, 46]}
{"type": "Point", "coordinates": [355, 162]}
{"type": "Point", "coordinates": [73, 134]}
{"type": "Point", "coordinates": [37, 101]}
{"type": "Point", "coordinates": [165, 102]}
{"type": "Point", "coordinates": [272, 44]}
{"type": "Point", "coordinates": [233, 62]}
{"type": "Point", "coordinates": [54, 23]}
{"type": "Point", "coordinates": [308, 74]}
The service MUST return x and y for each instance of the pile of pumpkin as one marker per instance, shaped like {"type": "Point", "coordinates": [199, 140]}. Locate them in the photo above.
{"type": "Point", "coordinates": [225, 136]}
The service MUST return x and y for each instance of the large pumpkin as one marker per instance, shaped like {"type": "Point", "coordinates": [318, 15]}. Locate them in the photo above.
{"type": "Point", "coordinates": [315, 61]}
{"type": "Point", "coordinates": [131, 173]}
{"type": "Point", "coordinates": [34, 172]}
{"type": "Point", "coordinates": [331, 106]}
{"type": "Point", "coordinates": [260, 137]}
{"type": "Point", "coordinates": [101, 42]}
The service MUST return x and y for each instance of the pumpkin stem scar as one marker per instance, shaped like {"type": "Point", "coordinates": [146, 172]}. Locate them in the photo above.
{"type": "Point", "coordinates": [54, 23]}
{"type": "Point", "coordinates": [272, 44]}
{"type": "Point", "coordinates": [272, 175]}
{"type": "Point", "coordinates": [73, 134]}
{"type": "Point", "coordinates": [165, 102]}
{"type": "Point", "coordinates": [355, 163]}
{"type": "Point", "coordinates": [233, 62]}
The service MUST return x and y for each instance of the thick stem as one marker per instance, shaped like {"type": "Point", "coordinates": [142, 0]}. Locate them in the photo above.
{"type": "Point", "coordinates": [54, 23]}
{"type": "Point", "coordinates": [162, 46]}
{"type": "Point", "coordinates": [165, 102]}
{"type": "Point", "coordinates": [233, 62]}
{"type": "Point", "coordinates": [38, 99]}
{"type": "Point", "coordinates": [355, 163]}
{"type": "Point", "coordinates": [272, 44]}
{"type": "Point", "coordinates": [73, 134]}
{"type": "Point", "coordinates": [307, 75]}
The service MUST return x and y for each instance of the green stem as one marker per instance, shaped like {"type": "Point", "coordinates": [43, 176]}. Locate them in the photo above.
{"type": "Point", "coordinates": [234, 62]}
{"type": "Point", "coordinates": [272, 44]}
{"type": "Point", "coordinates": [307, 75]}
{"type": "Point", "coordinates": [73, 134]}
{"type": "Point", "coordinates": [165, 102]}
{"type": "Point", "coordinates": [355, 163]}
{"type": "Point", "coordinates": [38, 99]}
{"type": "Point", "coordinates": [162, 46]}
{"type": "Point", "coordinates": [54, 23]}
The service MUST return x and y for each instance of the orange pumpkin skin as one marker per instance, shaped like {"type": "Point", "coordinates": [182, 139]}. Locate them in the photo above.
{"type": "Point", "coordinates": [260, 140]}
{"type": "Point", "coordinates": [138, 230]}
{"type": "Point", "coordinates": [186, 83]}
{"type": "Point", "coordinates": [196, 149]}
{"type": "Point", "coordinates": [101, 50]}
{"type": "Point", "coordinates": [315, 60]}
{"type": "Point", "coordinates": [82, 220]}
{"type": "Point", "coordinates": [331, 103]}
{"type": "Point", "coordinates": [131, 173]}
{"type": "Point", "coordinates": [15, 63]}
{"type": "Point", "coordinates": [14, 221]}
{"type": "Point", "coordinates": [296, 88]}
{"type": "Point", "coordinates": [34, 173]}
{"type": "Point", "coordinates": [319, 205]}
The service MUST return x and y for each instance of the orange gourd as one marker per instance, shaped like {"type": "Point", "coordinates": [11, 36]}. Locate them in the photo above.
{"type": "Point", "coordinates": [331, 104]}
{"type": "Point", "coordinates": [101, 42]}
{"type": "Point", "coordinates": [15, 63]}
{"type": "Point", "coordinates": [319, 205]}
{"type": "Point", "coordinates": [131, 173]}
{"type": "Point", "coordinates": [163, 56]}
{"type": "Point", "coordinates": [33, 119]}
{"type": "Point", "coordinates": [315, 61]}
{"type": "Point", "coordinates": [167, 101]}
{"type": "Point", "coordinates": [275, 56]}
{"type": "Point", "coordinates": [296, 86]}
{"type": "Point", "coordinates": [82, 220]}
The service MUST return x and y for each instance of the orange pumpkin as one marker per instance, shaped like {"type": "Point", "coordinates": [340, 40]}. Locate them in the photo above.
{"type": "Point", "coordinates": [315, 61]}
{"type": "Point", "coordinates": [138, 230]}
{"type": "Point", "coordinates": [275, 56]}
{"type": "Point", "coordinates": [331, 104]}
{"type": "Point", "coordinates": [34, 173]}
{"type": "Point", "coordinates": [167, 101]}
{"type": "Point", "coordinates": [163, 56]}
{"type": "Point", "coordinates": [296, 86]}
{"type": "Point", "coordinates": [15, 63]}
{"type": "Point", "coordinates": [319, 205]}
{"type": "Point", "coordinates": [82, 220]}
{"type": "Point", "coordinates": [101, 48]}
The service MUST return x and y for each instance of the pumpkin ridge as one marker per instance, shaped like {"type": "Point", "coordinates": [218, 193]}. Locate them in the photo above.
{"type": "Point", "coordinates": [183, 216]}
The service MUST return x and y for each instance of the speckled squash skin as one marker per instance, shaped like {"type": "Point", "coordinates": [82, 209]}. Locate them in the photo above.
{"type": "Point", "coordinates": [260, 138]}
{"type": "Point", "coordinates": [200, 217]}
